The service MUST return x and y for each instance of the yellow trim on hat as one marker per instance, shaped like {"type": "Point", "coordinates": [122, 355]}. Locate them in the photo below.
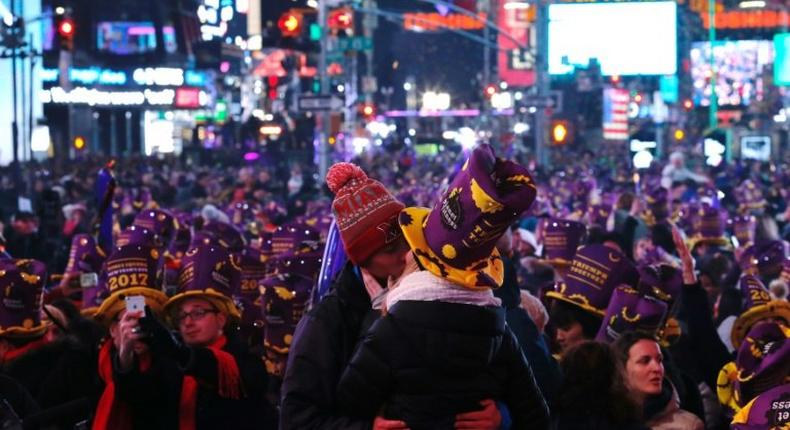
{"type": "Point", "coordinates": [575, 299]}
{"type": "Point", "coordinates": [89, 313]}
{"type": "Point", "coordinates": [22, 332]}
{"type": "Point", "coordinates": [772, 309]}
{"type": "Point", "coordinates": [114, 304]}
{"type": "Point", "coordinates": [725, 388]}
{"type": "Point", "coordinates": [558, 262]}
{"type": "Point", "coordinates": [742, 416]}
{"type": "Point", "coordinates": [415, 237]}
{"type": "Point", "coordinates": [222, 302]}
{"type": "Point", "coordinates": [697, 239]}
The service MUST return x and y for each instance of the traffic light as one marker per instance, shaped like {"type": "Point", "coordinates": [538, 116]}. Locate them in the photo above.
{"type": "Point", "coordinates": [490, 90]}
{"type": "Point", "coordinates": [290, 24]}
{"type": "Point", "coordinates": [560, 132]}
{"type": "Point", "coordinates": [341, 19]}
{"type": "Point", "coordinates": [66, 32]}
{"type": "Point", "coordinates": [367, 110]}
{"type": "Point", "coordinates": [272, 83]}
{"type": "Point", "coordinates": [688, 104]}
{"type": "Point", "coordinates": [79, 143]}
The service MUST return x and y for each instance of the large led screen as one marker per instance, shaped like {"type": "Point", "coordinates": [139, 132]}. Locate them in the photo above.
{"type": "Point", "coordinates": [740, 70]}
{"type": "Point", "coordinates": [625, 38]}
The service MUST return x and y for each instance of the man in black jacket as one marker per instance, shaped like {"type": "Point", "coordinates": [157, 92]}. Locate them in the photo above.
{"type": "Point", "coordinates": [326, 338]}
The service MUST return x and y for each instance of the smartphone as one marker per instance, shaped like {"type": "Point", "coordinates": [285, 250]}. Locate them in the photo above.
{"type": "Point", "coordinates": [135, 304]}
{"type": "Point", "coordinates": [89, 280]}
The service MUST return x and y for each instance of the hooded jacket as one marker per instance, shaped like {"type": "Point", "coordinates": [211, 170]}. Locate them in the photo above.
{"type": "Point", "coordinates": [323, 343]}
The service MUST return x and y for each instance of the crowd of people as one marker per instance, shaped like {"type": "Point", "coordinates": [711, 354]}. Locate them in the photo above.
{"type": "Point", "coordinates": [459, 291]}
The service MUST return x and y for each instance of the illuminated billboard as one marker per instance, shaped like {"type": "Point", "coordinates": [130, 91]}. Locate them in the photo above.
{"type": "Point", "coordinates": [782, 63]}
{"type": "Point", "coordinates": [740, 67]}
{"type": "Point", "coordinates": [625, 38]}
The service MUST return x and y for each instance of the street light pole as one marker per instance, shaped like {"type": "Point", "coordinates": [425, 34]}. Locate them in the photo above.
{"type": "Point", "coordinates": [542, 81]}
{"type": "Point", "coordinates": [714, 99]}
{"type": "Point", "coordinates": [323, 117]}
{"type": "Point", "coordinates": [15, 120]}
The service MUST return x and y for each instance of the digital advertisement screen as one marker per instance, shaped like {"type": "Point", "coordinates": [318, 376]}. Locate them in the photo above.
{"type": "Point", "coordinates": [132, 38]}
{"type": "Point", "coordinates": [625, 38]}
{"type": "Point", "coordinates": [740, 65]}
{"type": "Point", "coordinates": [756, 148]}
{"type": "Point", "coordinates": [782, 64]}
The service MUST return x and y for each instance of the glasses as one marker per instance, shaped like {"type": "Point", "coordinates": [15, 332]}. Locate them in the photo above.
{"type": "Point", "coordinates": [196, 315]}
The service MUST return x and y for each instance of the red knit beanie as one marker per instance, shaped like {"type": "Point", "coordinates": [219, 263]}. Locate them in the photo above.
{"type": "Point", "coordinates": [364, 210]}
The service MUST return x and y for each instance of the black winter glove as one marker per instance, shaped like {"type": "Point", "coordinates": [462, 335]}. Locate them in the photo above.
{"type": "Point", "coordinates": [163, 341]}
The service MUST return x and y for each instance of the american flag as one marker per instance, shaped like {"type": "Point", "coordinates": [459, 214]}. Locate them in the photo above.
{"type": "Point", "coordinates": [615, 113]}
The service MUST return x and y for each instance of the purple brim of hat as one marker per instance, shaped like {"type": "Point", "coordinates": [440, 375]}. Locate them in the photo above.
{"type": "Point", "coordinates": [767, 411]}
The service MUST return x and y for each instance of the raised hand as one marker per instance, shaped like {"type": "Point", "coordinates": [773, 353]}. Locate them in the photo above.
{"type": "Point", "coordinates": [686, 260]}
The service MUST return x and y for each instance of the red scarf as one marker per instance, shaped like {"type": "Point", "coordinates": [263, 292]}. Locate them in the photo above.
{"type": "Point", "coordinates": [18, 352]}
{"type": "Point", "coordinates": [109, 413]}
{"type": "Point", "coordinates": [112, 415]}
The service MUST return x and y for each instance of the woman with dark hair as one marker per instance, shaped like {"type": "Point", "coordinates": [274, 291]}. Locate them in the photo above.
{"type": "Point", "coordinates": [643, 363]}
{"type": "Point", "coordinates": [572, 324]}
{"type": "Point", "coordinates": [593, 395]}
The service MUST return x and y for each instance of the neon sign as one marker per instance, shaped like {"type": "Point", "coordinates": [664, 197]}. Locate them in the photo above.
{"type": "Point", "coordinates": [434, 22]}
{"type": "Point", "coordinates": [94, 97]}
{"type": "Point", "coordinates": [159, 76]}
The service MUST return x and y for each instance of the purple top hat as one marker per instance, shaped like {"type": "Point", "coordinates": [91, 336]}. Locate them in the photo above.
{"type": "Point", "coordinates": [84, 256]}
{"type": "Point", "coordinates": [295, 238]}
{"type": "Point", "coordinates": [766, 411]}
{"type": "Point", "coordinates": [132, 270]}
{"type": "Point", "coordinates": [592, 277]}
{"type": "Point", "coordinates": [629, 310]}
{"type": "Point", "coordinates": [750, 198]}
{"type": "Point", "coordinates": [770, 254]}
{"type": "Point", "coordinates": [757, 306]}
{"type": "Point", "coordinates": [227, 235]}
{"type": "Point", "coordinates": [136, 235]}
{"type": "Point", "coordinates": [709, 226]}
{"type": "Point", "coordinates": [561, 238]}
{"type": "Point", "coordinates": [763, 360]}
{"type": "Point", "coordinates": [254, 268]}
{"type": "Point", "coordinates": [743, 228]}
{"type": "Point", "coordinates": [456, 239]}
{"type": "Point", "coordinates": [307, 265]}
{"type": "Point", "coordinates": [657, 205]}
{"type": "Point", "coordinates": [763, 256]}
{"type": "Point", "coordinates": [22, 283]}
{"type": "Point", "coordinates": [161, 222]}
{"type": "Point", "coordinates": [661, 281]}
{"type": "Point", "coordinates": [212, 273]}
{"type": "Point", "coordinates": [284, 300]}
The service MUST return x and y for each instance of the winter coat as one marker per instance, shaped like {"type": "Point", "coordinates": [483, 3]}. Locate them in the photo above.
{"type": "Point", "coordinates": [323, 344]}
{"type": "Point", "coordinates": [59, 373]}
{"type": "Point", "coordinates": [427, 361]}
{"type": "Point", "coordinates": [154, 395]}
{"type": "Point", "coordinates": [544, 367]}
{"type": "Point", "coordinates": [591, 422]}
{"type": "Point", "coordinates": [674, 418]}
